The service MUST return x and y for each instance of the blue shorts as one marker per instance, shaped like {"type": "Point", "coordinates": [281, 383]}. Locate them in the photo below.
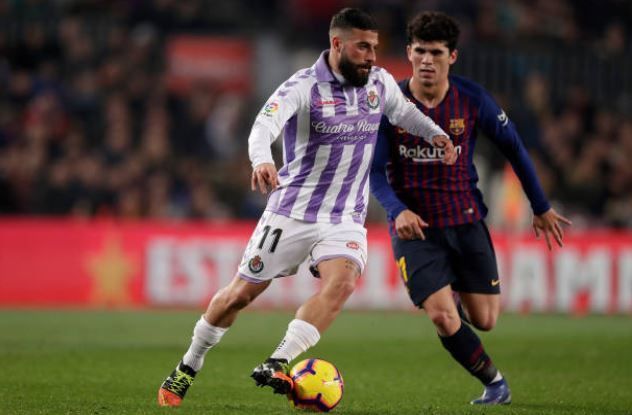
{"type": "Point", "coordinates": [461, 256]}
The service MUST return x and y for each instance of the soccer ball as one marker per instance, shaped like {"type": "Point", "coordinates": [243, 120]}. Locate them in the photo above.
{"type": "Point", "coordinates": [318, 385]}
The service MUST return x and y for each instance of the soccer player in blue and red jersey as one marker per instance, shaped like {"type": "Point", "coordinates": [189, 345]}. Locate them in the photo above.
{"type": "Point", "coordinates": [436, 211]}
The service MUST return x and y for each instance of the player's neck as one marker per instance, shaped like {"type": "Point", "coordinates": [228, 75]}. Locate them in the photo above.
{"type": "Point", "coordinates": [429, 96]}
{"type": "Point", "coordinates": [333, 64]}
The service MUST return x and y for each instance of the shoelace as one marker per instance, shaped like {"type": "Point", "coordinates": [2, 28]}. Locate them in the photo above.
{"type": "Point", "coordinates": [270, 368]}
{"type": "Point", "coordinates": [180, 382]}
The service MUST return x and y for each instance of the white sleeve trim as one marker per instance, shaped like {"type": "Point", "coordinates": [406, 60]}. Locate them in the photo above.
{"type": "Point", "coordinates": [417, 123]}
{"type": "Point", "coordinates": [259, 142]}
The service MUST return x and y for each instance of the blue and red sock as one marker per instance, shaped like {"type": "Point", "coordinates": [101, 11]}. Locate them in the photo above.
{"type": "Point", "coordinates": [467, 349]}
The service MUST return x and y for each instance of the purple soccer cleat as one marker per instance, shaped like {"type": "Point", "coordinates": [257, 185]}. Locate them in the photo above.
{"type": "Point", "coordinates": [496, 393]}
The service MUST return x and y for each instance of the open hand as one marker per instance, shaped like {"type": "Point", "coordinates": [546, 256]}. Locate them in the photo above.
{"type": "Point", "coordinates": [264, 175]}
{"type": "Point", "coordinates": [549, 223]}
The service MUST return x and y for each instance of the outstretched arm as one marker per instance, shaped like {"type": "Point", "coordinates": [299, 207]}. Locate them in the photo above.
{"type": "Point", "coordinates": [496, 125]}
{"type": "Point", "coordinates": [403, 113]}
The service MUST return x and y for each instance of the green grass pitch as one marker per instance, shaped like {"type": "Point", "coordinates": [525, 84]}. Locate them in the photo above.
{"type": "Point", "coordinates": [91, 362]}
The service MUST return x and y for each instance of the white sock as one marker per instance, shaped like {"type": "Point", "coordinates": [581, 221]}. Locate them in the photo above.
{"type": "Point", "coordinates": [497, 378]}
{"type": "Point", "coordinates": [299, 337]}
{"type": "Point", "coordinates": [204, 337]}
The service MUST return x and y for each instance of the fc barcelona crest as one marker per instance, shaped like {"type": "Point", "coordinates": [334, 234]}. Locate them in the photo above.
{"type": "Point", "coordinates": [255, 264]}
{"type": "Point", "coordinates": [373, 100]}
{"type": "Point", "coordinates": [457, 126]}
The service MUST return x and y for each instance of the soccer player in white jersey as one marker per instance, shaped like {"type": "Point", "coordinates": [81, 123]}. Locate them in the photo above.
{"type": "Point", "coordinates": [329, 115]}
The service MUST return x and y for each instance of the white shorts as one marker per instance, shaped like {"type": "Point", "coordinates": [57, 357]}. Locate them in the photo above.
{"type": "Point", "coordinates": [280, 244]}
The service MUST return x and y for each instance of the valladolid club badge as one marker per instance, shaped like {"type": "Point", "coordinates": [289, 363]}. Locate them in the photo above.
{"type": "Point", "coordinates": [373, 99]}
{"type": "Point", "coordinates": [255, 264]}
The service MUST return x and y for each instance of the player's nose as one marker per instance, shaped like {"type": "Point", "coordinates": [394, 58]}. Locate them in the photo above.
{"type": "Point", "coordinates": [370, 56]}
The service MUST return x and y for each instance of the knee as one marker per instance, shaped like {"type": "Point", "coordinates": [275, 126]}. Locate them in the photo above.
{"type": "Point", "coordinates": [447, 323]}
{"type": "Point", "coordinates": [339, 290]}
{"type": "Point", "coordinates": [485, 322]}
{"type": "Point", "coordinates": [233, 300]}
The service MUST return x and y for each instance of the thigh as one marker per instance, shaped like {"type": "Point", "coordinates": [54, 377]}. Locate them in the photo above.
{"type": "Point", "coordinates": [474, 260]}
{"type": "Point", "coordinates": [424, 265]}
{"type": "Point", "coordinates": [338, 271]}
{"type": "Point", "coordinates": [343, 240]}
{"type": "Point", "coordinates": [441, 301]}
{"type": "Point", "coordinates": [277, 247]}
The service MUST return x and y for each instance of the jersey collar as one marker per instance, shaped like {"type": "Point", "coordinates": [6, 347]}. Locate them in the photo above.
{"type": "Point", "coordinates": [323, 71]}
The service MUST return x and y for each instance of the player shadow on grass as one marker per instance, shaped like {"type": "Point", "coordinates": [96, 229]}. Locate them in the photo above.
{"type": "Point", "coordinates": [564, 408]}
{"type": "Point", "coordinates": [381, 411]}
{"type": "Point", "coordinates": [514, 408]}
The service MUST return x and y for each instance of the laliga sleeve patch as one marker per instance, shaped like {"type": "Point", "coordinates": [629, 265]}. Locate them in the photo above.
{"type": "Point", "coordinates": [270, 108]}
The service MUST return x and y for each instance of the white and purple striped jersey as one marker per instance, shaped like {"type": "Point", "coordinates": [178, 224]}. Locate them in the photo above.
{"type": "Point", "coordinates": [329, 134]}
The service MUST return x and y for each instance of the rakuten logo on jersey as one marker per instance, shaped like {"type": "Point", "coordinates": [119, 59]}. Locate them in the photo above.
{"type": "Point", "coordinates": [421, 154]}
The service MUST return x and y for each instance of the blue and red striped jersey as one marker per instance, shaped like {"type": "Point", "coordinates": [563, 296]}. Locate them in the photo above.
{"type": "Point", "coordinates": [407, 172]}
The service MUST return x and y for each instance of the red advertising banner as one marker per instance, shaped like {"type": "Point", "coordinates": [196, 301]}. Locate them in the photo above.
{"type": "Point", "coordinates": [70, 263]}
{"type": "Point", "coordinates": [225, 63]}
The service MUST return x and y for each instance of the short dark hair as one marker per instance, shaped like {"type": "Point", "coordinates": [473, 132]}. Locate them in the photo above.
{"type": "Point", "coordinates": [352, 18]}
{"type": "Point", "coordinates": [433, 26]}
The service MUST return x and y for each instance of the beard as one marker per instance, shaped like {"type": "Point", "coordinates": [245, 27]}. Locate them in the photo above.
{"type": "Point", "coordinates": [352, 73]}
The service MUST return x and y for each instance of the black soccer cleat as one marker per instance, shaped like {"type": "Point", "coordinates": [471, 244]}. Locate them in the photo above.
{"type": "Point", "coordinates": [274, 373]}
{"type": "Point", "coordinates": [176, 385]}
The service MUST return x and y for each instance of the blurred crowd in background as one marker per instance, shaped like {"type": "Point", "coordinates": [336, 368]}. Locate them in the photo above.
{"type": "Point", "coordinates": [89, 125]}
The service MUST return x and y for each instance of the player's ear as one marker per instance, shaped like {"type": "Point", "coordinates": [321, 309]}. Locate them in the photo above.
{"type": "Point", "coordinates": [409, 52]}
{"type": "Point", "coordinates": [335, 40]}
{"type": "Point", "coordinates": [335, 43]}
{"type": "Point", "coordinates": [453, 55]}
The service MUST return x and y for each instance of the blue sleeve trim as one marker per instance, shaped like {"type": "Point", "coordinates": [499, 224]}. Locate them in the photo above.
{"type": "Point", "coordinates": [379, 184]}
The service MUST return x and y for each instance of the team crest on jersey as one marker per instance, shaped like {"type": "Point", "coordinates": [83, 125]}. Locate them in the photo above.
{"type": "Point", "coordinates": [373, 100]}
{"type": "Point", "coordinates": [255, 264]}
{"type": "Point", "coordinates": [457, 126]}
